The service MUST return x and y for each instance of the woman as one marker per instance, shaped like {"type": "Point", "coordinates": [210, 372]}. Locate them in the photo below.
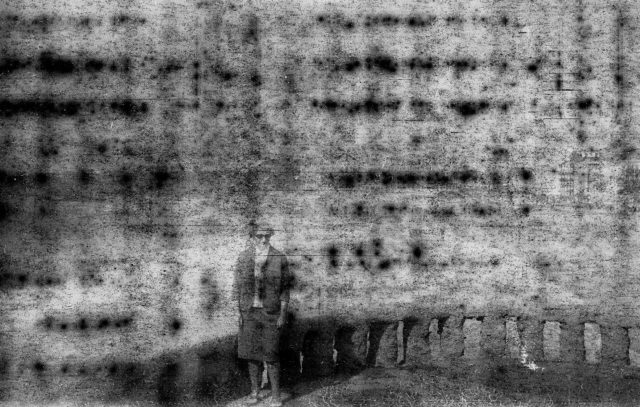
{"type": "Point", "coordinates": [261, 285]}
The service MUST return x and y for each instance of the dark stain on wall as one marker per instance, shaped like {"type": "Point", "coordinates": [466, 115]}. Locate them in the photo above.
{"type": "Point", "coordinates": [41, 178]}
{"type": "Point", "coordinates": [526, 174]}
{"type": "Point", "coordinates": [44, 107]}
{"type": "Point", "coordinates": [382, 63]}
{"type": "Point", "coordinates": [381, 19]}
{"type": "Point", "coordinates": [256, 79]}
{"type": "Point", "coordinates": [408, 179]}
{"type": "Point", "coordinates": [170, 67]}
{"type": "Point", "coordinates": [43, 22]}
{"type": "Point", "coordinates": [469, 108]}
{"type": "Point", "coordinates": [85, 176]}
{"type": "Point", "coordinates": [368, 106]}
{"type": "Point", "coordinates": [584, 103]}
{"type": "Point", "coordinates": [94, 65]}
{"type": "Point", "coordinates": [463, 64]}
{"type": "Point", "coordinates": [581, 135]}
{"type": "Point", "coordinates": [483, 210]}
{"type": "Point", "coordinates": [559, 81]}
{"type": "Point", "coordinates": [160, 177]}
{"type": "Point", "coordinates": [443, 212]}
{"type": "Point", "coordinates": [464, 175]}
{"type": "Point", "coordinates": [125, 179]}
{"type": "Point", "coordinates": [251, 34]}
{"type": "Point", "coordinates": [129, 108]}
{"type": "Point", "coordinates": [51, 63]}
{"type": "Point", "coordinates": [223, 73]}
{"type": "Point", "coordinates": [420, 21]}
{"type": "Point", "coordinates": [39, 366]}
{"type": "Point", "coordinates": [500, 153]}
{"type": "Point", "coordinates": [10, 279]}
{"type": "Point", "coordinates": [9, 179]}
{"type": "Point", "coordinates": [333, 253]}
{"type": "Point", "coordinates": [176, 325]}
{"type": "Point", "coordinates": [426, 64]}
{"type": "Point", "coordinates": [8, 65]}
{"type": "Point", "coordinates": [126, 19]}
{"type": "Point", "coordinates": [453, 19]}
{"type": "Point", "coordinates": [534, 66]}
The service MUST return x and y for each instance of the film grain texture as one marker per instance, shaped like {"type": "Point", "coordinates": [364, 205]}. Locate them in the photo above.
{"type": "Point", "coordinates": [450, 180]}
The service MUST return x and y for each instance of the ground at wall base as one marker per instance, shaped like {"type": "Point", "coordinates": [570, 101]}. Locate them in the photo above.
{"type": "Point", "coordinates": [460, 386]}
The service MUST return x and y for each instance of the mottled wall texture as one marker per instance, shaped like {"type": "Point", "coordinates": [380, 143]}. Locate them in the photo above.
{"type": "Point", "coordinates": [462, 171]}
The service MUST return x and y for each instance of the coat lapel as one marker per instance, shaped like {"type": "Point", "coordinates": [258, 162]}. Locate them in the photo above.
{"type": "Point", "coordinates": [265, 266]}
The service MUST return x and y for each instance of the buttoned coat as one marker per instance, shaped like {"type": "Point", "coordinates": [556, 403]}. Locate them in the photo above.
{"type": "Point", "coordinates": [277, 280]}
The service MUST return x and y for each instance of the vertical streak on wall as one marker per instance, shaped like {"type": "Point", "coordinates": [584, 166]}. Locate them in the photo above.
{"type": "Point", "coordinates": [282, 74]}
{"type": "Point", "coordinates": [161, 203]}
{"type": "Point", "coordinates": [252, 159]}
{"type": "Point", "coordinates": [624, 148]}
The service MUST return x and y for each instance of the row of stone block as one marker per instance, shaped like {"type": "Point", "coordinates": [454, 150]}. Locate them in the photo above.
{"type": "Point", "coordinates": [439, 340]}
{"type": "Point", "coordinates": [527, 340]}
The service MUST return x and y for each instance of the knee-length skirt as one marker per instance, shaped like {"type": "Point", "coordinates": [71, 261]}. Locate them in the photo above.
{"type": "Point", "coordinates": [259, 336]}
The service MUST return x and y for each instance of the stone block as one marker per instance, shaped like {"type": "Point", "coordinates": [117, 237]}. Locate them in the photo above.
{"type": "Point", "coordinates": [551, 341]}
{"type": "Point", "coordinates": [387, 355]}
{"type": "Point", "coordinates": [493, 337]}
{"type": "Point", "coordinates": [472, 334]}
{"type": "Point", "coordinates": [317, 351]}
{"type": "Point", "coordinates": [531, 339]}
{"type": "Point", "coordinates": [417, 350]}
{"type": "Point", "coordinates": [452, 340]}
{"type": "Point", "coordinates": [435, 345]}
{"type": "Point", "coordinates": [592, 343]}
{"type": "Point", "coordinates": [634, 347]}
{"type": "Point", "coordinates": [615, 345]}
{"type": "Point", "coordinates": [512, 335]}
{"type": "Point", "coordinates": [351, 345]}
{"type": "Point", "coordinates": [572, 343]}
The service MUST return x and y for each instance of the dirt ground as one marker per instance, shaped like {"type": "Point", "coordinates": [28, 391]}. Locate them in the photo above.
{"type": "Point", "coordinates": [463, 385]}
{"type": "Point", "coordinates": [509, 385]}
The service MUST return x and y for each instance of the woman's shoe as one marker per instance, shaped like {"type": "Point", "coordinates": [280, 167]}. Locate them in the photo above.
{"type": "Point", "coordinates": [252, 398]}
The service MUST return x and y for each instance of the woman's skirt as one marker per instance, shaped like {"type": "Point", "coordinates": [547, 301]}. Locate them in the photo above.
{"type": "Point", "coordinates": [259, 336]}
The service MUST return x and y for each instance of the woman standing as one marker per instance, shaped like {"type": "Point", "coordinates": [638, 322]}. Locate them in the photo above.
{"type": "Point", "coordinates": [261, 284]}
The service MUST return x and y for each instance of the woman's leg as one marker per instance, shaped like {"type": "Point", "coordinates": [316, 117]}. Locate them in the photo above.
{"type": "Point", "coordinates": [273, 369]}
{"type": "Point", "coordinates": [254, 374]}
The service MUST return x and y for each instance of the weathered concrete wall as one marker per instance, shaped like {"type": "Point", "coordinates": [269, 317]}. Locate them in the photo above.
{"type": "Point", "coordinates": [449, 160]}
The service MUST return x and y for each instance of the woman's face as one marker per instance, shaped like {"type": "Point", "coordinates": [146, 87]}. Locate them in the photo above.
{"type": "Point", "coordinates": [261, 239]}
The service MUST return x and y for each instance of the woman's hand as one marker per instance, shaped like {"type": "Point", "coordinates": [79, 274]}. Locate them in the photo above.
{"type": "Point", "coordinates": [282, 320]}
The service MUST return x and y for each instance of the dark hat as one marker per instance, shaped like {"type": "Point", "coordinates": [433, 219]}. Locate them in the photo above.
{"type": "Point", "coordinates": [261, 226]}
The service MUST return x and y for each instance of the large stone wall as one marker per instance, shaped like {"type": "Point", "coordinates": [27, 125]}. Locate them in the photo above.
{"type": "Point", "coordinates": [464, 172]}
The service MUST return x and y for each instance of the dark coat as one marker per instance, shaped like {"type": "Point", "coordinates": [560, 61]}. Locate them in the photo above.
{"type": "Point", "coordinates": [277, 280]}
